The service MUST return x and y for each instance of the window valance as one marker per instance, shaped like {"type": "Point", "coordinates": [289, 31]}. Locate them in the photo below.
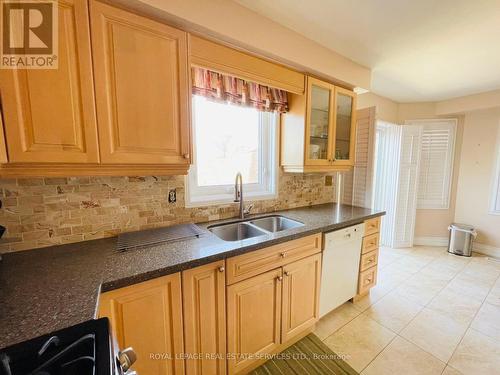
{"type": "Point", "coordinates": [226, 88]}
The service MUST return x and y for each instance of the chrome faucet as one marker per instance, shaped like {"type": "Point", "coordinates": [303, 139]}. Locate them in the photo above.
{"type": "Point", "coordinates": [238, 196]}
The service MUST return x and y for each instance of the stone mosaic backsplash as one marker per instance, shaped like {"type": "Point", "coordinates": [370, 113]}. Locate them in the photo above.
{"type": "Point", "coordinates": [40, 212]}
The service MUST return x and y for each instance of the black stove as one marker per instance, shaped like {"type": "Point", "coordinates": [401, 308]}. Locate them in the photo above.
{"type": "Point", "coordinates": [84, 349]}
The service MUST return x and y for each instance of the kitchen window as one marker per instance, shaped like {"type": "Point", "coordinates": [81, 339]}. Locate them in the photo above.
{"type": "Point", "coordinates": [230, 138]}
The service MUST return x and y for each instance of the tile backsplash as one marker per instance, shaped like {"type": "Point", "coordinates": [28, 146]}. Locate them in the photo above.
{"type": "Point", "coordinates": [39, 212]}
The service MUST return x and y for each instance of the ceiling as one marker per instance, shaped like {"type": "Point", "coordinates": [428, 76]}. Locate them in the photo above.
{"type": "Point", "coordinates": [418, 50]}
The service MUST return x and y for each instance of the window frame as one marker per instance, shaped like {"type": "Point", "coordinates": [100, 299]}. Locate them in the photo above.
{"type": "Point", "coordinates": [198, 196]}
{"type": "Point", "coordinates": [430, 123]}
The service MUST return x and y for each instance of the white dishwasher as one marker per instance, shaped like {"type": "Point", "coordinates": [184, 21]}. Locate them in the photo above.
{"type": "Point", "coordinates": [339, 276]}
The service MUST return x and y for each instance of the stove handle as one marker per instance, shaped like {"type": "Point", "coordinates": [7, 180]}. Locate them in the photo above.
{"type": "Point", "coordinates": [127, 358]}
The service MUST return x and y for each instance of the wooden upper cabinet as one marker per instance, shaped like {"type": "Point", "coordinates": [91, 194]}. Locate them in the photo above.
{"type": "Point", "coordinates": [319, 123]}
{"type": "Point", "coordinates": [220, 58]}
{"type": "Point", "coordinates": [204, 298]}
{"type": "Point", "coordinates": [345, 127]}
{"type": "Point", "coordinates": [318, 132]}
{"type": "Point", "coordinates": [148, 317]}
{"type": "Point", "coordinates": [301, 281]}
{"type": "Point", "coordinates": [142, 88]}
{"type": "Point", "coordinates": [49, 114]}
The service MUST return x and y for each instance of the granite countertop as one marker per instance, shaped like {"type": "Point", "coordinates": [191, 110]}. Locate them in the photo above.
{"type": "Point", "coordinates": [52, 288]}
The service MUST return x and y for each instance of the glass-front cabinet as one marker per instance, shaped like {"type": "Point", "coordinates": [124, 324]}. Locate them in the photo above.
{"type": "Point", "coordinates": [344, 127]}
{"type": "Point", "coordinates": [319, 130]}
{"type": "Point", "coordinates": [329, 138]}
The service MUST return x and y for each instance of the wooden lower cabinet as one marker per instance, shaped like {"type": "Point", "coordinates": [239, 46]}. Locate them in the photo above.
{"type": "Point", "coordinates": [369, 258]}
{"type": "Point", "coordinates": [204, 298]}
{"type": "Point", "coordinates": [194, 323]}
{"type": "Point", "coordinates": [301, 281]}
{"type": "Point", "coordinates": [148, 317]}
{"type": "Point", "coordinates": [266, 313]}
{"type": "Point", "coordinates": [253, 319]}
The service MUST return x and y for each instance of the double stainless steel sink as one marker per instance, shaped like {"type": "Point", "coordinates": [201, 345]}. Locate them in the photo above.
{"type": "Point", "coordinates": [253, 227]}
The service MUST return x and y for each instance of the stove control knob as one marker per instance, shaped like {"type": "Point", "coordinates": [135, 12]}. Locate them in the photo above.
{"type": "Point", "coordinates": [127, 358]}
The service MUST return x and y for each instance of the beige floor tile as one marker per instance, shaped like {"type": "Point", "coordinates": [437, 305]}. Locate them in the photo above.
{"type": "Point", "coordinates": [421, 289]}
{"type": "Point", "coordinates": [386, 257]}
{"type": "Point", "coordinates": [435, 333]}
{"type": "Point", "coordinates": [452, 261]}
{"type": "Point", "coordinates": [393, 311]}
{"type": "Point", "coordinates": [469, 287]}
{"type": "Point", "coordinates": [487, 321]}
{"type": "Point", "coordinates": [403, 357]}
{"type": "Point", "coordinates": [376, 293]}
{"type": "Point", "coordinates": [410, 264]}
{"type": "Point", "coordinates": [360, 341]}
{"type": "Point", "coordinates": [451, 371]}
{"type": "Point", "coordinates": [439, 271]}
{"type": "Point", "coordinates": [477, 354]}
{"type": "Point", "coordinates": [457, 306]}
{"type": "Point", "coordinates": [482, 272]}
{"type": "Point", "coordinates": [493, 297]}
{"type": "Point", "coordinates": [334, 320]}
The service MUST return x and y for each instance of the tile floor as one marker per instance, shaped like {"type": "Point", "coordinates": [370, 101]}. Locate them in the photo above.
{"type": "Point", "coordinates": [430, 313]}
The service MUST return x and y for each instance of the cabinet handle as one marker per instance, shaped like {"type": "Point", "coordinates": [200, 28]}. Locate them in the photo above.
{"type": "Point", "coordinates": [185, 156]}
{"type": "Point", "coordinates": [221, 269]}
{"type": "Point", "coordinates": [283, 255]}
{"type": "Point", "coordinates": [287, 273]}
{"type": "Point", "coordinates": [279, 278]}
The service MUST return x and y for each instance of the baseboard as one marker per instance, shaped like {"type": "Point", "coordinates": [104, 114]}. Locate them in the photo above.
{"type": "Point", "coordinates": [430, 241]}
{"type": "Point", "coordinates": [489, 250]}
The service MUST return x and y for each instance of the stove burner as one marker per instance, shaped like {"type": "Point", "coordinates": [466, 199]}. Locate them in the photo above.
{"type": "Point", "coordinates": [83, 349]}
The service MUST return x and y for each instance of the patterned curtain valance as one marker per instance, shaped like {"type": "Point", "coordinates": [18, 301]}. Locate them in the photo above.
{"type": "Point", "coordinates": [225, 88]}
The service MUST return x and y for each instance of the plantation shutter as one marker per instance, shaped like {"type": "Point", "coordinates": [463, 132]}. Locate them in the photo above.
{"type": "Point", "coordinates": [363, 158]}
{"type": "Point", "coordinates": [436, 163]}
{"type": "Point", "coordinates": [406, 192]}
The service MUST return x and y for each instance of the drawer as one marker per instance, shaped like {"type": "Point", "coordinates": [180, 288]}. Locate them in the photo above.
{"type": "Point", "coordinates": [367, 280]}
{"type": "Point", "coordinates": [372, 226]}
{"type": "Point", "coordinates": [368, 260]}
{"type": "Point", "coordinates": [370, 243]}
{"type": "Point", "coordinates": [256, 262]}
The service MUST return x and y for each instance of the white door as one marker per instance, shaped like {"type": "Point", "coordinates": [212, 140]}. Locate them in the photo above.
{"type": "Point", "coordinates": [407, 183]}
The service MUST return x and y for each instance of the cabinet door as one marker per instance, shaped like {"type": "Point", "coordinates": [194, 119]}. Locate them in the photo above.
{"type": "Point", "coordinates": [148, 317]}
{"type": "Point", "coordinates": [204, 296]}
{"type": "Point", "coordinates": [141, 88]}
{"type": "Point", "coordinates": [344, 127]}
{"type": "Point", "coordinates": [301, 282]}
{"type": "Point", "coordinates": [319, 123]}
{"type": "Point", "coordinates": [253, 319]}
{"type": "Point", "coordinates": [3, 148]}
{"type": "Point", "coordinates": [49, 114]}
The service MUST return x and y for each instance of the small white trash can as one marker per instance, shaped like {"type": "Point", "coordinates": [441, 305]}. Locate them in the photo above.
{"type": "Point", "coordinates": [461, 239]}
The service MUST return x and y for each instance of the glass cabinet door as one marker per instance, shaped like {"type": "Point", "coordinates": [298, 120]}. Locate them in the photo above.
{"type": "Point", "coordinates": [319, 129]}
{"type": "Point", "coordinates": [344, 126]}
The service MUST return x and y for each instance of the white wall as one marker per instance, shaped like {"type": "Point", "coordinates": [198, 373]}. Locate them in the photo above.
{"type": "Point", "coordinates": [477, 161]}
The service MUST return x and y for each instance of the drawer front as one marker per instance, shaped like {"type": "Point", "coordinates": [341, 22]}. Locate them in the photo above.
{"type": "Point", "coordinates": [372, 226]}
{"type": "Point", "coordinates": [368, 260]}
{"type": "Point", "coordinates": [367, 280]}
{"type": "Point", "coordinates": [242, 267]}
{"type": "Point", "coordinates": [370, 243]}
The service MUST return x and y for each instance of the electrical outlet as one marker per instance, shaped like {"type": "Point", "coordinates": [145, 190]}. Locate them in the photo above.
{"type": "Point", "coordinates": [328, 180]}
{"type": "Point", "coordinates": [172, 196]}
